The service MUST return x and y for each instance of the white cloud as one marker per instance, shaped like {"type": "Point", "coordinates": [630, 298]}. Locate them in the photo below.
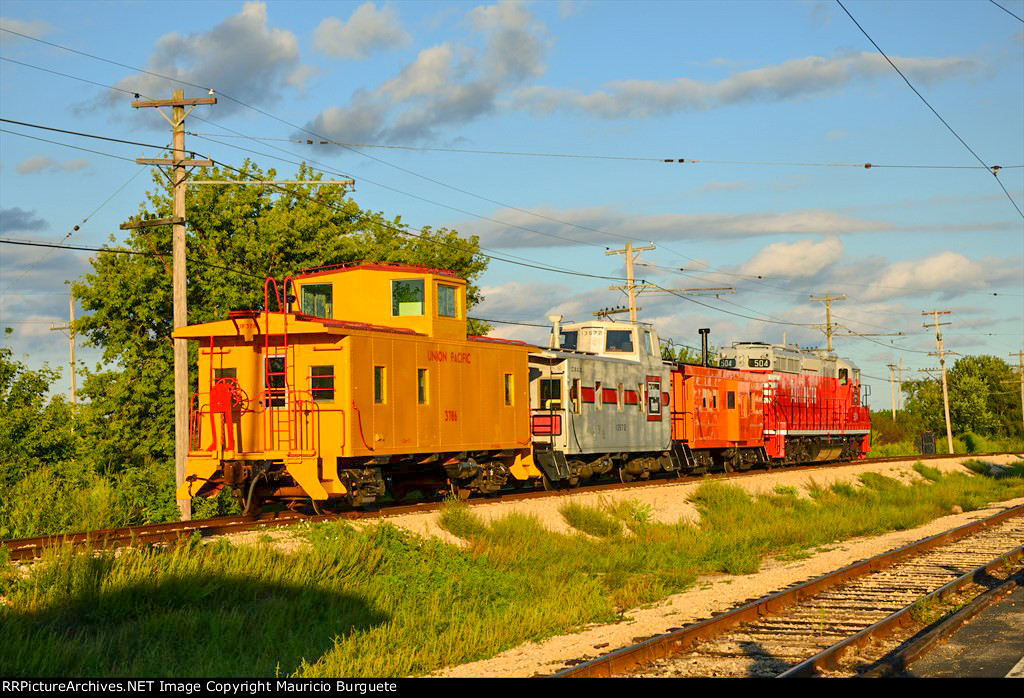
{"type": "Point", "coordinates": [446, 84]}
{"type": "Point", "coordinates": [242, 56]}
{"type": "Point", "coordinates": [948, 272]}
{"type": "Point", "coordinates": [366, 31]}
{"type": "Point", "coordinates": [35, 29]}
{"type": "Point", "coordinates": [40, 163]}
{"type": "Point", "coordinates": [581, 224]}
{"type": "Point", "coordinates": [791, 260]}
{"type": "Point", "coordinates": [794, 79]}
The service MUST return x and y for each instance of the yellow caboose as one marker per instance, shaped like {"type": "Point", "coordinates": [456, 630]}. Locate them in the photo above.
{"type": "Point", "coordinates": [364, 383]}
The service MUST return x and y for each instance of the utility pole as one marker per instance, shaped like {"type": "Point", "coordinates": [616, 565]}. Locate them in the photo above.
{"type": "Point", "coordinates": [1020, 375]}
{"type": "Point", "coordinates": [178, 162]}
{"type": "Point", "coordinates": [899, 392]}
{"type": "Point", "coordinates": [941, 353]}
{"type": "Point", "coordinates": [70, 328]}
{"type": "Point", "coordinates": [632, 289]}
{"type": "Point", "coordinates": [892, 388]}
{"type": "Point", "coordinates": [827, 300]}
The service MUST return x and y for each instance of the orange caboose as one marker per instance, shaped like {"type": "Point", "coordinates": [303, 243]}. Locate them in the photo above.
{"type": "Point", "coordinates": [368, 385]}
{"type": "Point", "coordinates": [718, 415]}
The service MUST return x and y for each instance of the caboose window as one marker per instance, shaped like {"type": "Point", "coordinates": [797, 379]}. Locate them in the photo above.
{"type": "Point", "coordinates": [446, 301]}
{"type": "Point", "coordinates": [421, 385]}
{"type": "Point", "coordinates": [407, 298]}
{"type": "Point", "coordinates": [619, 341]}
{"type": "Point", "coordinates": [508, 388]}
{"type": "Point", "coordinates": [317, 300]}
{"type": "Point", "coordinates": [731, 398]}
{"type": "Point", "coordinates": [276, 386]}
{"type": "Point", "coordinates": [378, 385]}
{"type": "Point", "coordinates": [550, 392]}
{"type": "Point", "coordinates": [321, 383]}
{"type": "Point", "coordinates": [221, 373]}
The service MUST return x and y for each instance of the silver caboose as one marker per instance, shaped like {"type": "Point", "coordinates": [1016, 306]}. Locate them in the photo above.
{"type": "Point", "coordinates": [599, 402]}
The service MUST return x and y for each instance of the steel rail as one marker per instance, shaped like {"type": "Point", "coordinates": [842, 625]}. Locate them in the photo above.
{"type": "Point", "coordinates": [622, 660]}
{"type": "Point", "coordinates": [830, 657]}
{"type": "Point", "coordinates": [28, 548]}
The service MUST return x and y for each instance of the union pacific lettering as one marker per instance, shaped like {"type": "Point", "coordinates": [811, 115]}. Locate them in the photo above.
{"type": "Point", "coordinates": [455, 357]}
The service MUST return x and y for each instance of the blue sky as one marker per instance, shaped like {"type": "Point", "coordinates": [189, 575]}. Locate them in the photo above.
{"type": "Point", "coordinates": [778, 104]}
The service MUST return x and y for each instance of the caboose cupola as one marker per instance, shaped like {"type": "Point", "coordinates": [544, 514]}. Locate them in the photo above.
{"type": "Point", "coordinates": [431, 302]}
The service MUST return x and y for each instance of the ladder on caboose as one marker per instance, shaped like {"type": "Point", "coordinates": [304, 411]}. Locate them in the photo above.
{"type": "Point", "coordinates": [278, 420]}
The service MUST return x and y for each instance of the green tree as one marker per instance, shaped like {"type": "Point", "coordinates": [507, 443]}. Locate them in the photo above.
{"type": "Point", "coordinates": [237, 236]}
{"type": "Point", "coordinates": [981, 398]}
{"type": "Point", "coordinates": [34, 431]}
{"type": "Point", "coordinates": [924, 403]}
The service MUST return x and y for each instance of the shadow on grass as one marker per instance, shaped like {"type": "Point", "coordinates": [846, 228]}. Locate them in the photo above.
{"type": "Point", "coordinates": [200, 625]}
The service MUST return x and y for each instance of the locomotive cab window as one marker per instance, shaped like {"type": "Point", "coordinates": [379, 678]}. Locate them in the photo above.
{"type": "Point", "coordinates": [619, 341]}
{"type": "Point", "coordinates": [568, 340]}
{"type": "Point", "coordinates": [843, 376]}
{"type": "Point", "coordinates": [407, 298]}
{"type": "Point", "coordinates": [321, 383]}
{"type": "Point", "coordinates": [318, 300]}
{"type": "Point", "coordinates": [446, 301]}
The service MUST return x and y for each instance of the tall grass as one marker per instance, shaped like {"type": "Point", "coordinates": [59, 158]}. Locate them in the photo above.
{"type": "Point", "coordinates": [963, 444]}
{"type": "Point", "coordinates": [382, 602]}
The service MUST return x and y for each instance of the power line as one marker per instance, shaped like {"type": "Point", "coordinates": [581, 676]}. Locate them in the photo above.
{"type": "Point", "coordinates": [582, 156]}
{"type": "Point", "coordinates": [1006, 10]}
{"type": "Point", "coordinates": [921, 97]}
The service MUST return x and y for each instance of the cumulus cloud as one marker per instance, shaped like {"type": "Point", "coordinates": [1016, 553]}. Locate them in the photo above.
{"type": "Point", "coordinates": [794, 79]}
{"type": "Point", "coordinates": [35, 29]}
{"type": "Point", "coordinates": [242, 56]}
{"type": "Point", "coordinates": [791, 260]}
{"type": "Point", "coordinates": [367, 30]}
{"type": "Point", "coordinates": [39, 163]}
{"type": "Point", "coordinates": [948, 271]}
{"type": "Point", "coordinates": [446, 84]}
{"type": "Point", "coordinates": [16, 220]}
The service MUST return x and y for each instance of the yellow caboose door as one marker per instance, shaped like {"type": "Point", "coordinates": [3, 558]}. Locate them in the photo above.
{"type": "Point", "coordinates": [276, 425]}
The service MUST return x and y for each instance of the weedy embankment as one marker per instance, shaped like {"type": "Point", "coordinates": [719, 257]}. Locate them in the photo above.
{"type": "Point", "coordinates": [381, 602]}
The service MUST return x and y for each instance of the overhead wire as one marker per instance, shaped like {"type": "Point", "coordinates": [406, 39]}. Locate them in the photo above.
{"type": "Point", "coordinates": [548, 268]}
{"type": "Point", "coordinates": [927, 104]}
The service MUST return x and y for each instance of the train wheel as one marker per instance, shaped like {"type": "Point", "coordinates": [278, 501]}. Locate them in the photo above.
{"type": "Point", "coordinates": [625, 477]}
{"type": "Point", "coordinates": [459, 493]}
{"type": "Point", "coordinates": [551, 485]}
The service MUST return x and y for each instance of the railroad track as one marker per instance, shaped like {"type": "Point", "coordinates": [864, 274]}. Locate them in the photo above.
{"type": "Point", "coordinates": [835, 624]}
{"type": "Point", "coordinates": [154, 534]}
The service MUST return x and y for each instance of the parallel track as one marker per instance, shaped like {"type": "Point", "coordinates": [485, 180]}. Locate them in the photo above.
{"type": "Point", "coordinates": [29, 548]}
{"type": "Point", "coordinates": [819, 626]}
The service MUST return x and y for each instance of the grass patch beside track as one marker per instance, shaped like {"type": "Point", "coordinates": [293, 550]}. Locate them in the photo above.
{"type": "Point", "coordinates": [377, 601]}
